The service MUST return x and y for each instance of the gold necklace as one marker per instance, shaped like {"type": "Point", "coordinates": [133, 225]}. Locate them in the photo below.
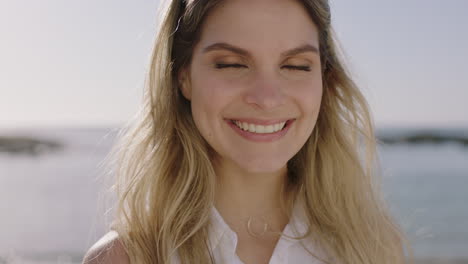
{"type": "Point", "coordinates": [249, 222]}
{"type": "Point", "coordinates": [252, 233]}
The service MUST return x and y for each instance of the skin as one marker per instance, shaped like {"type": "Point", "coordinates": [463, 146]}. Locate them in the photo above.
{"type": "Point", "coordinates": [262, 86]}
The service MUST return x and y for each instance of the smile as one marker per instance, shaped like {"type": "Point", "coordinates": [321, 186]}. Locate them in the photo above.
{"type": "Point", "coordinates": [259, 129]}
{"type": "Point", "coordinates": [267, 131]}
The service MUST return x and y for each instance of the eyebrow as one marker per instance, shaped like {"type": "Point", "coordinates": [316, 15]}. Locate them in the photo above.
{"type": "Point", "coordinates": [225, 46]}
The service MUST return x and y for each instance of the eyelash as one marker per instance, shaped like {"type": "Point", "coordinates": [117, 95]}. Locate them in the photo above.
{"type": "Point", "coordinates": [237, 66]}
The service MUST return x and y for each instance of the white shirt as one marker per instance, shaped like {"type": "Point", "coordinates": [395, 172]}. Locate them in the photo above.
{"type": "Point", "coordinates": [223, 242]}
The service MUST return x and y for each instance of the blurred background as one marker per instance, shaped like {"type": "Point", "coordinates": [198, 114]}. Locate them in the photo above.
{"type": "Point", "coordinates": [72, 72]}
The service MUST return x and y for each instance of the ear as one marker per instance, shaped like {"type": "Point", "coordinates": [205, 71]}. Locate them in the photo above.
{"type": "Point", "coordinates": [184, 84]}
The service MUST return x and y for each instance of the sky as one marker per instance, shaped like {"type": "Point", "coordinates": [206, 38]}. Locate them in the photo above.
{"type": "Point", "coordinates": [83, 63]}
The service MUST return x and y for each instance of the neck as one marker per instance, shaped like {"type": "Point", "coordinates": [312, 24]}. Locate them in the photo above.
{"type": "Point", "coordinates": [241, 194]}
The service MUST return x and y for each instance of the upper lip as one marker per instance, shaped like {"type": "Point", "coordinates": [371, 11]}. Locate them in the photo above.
{"type": "Point", "coordinates": [264, 122]}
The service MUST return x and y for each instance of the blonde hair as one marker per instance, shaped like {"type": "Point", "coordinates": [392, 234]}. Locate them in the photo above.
{"type": "Point", "coordinates": [165, 179]}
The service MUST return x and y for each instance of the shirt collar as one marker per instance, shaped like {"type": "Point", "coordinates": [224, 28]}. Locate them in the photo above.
{"type": "Point", "coordinates": [217, 228]}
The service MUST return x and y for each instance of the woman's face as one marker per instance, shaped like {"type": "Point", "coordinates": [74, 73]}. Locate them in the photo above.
{"type": "Point", "coordinates": [255, 82]}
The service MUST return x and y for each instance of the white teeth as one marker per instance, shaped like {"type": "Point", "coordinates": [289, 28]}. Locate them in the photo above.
{"type": "Point", "coordinates": [269, 129]}
{"type": "Point", "coordinates": [259, 128]}
{"type": "Point", "coordinates": [277, 127]}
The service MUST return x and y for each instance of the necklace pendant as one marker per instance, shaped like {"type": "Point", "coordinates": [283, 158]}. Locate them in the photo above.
{"type": "Point", "coordinates": [256, 234]}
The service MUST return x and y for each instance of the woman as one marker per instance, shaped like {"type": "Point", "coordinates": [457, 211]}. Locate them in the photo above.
{"type": "Point", "coordinates": [249, 146]}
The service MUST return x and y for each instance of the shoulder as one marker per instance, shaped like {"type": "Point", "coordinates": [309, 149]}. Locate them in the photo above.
{"type": "Point", "coordinates": [109, 249]}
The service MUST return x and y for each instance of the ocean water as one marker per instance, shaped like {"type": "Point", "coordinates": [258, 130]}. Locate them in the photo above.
{"type": "Point", "coordinates": [427, 189]}
{"type": "Point", "coordinates": [51, 208]}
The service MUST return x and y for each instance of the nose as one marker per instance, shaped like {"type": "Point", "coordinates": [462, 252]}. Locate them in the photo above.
{"type": "Point", "coordinates": [265, 92]}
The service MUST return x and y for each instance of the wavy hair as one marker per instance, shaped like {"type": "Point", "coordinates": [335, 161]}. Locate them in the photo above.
{"type": "Point", "coordinates": [166, 182]}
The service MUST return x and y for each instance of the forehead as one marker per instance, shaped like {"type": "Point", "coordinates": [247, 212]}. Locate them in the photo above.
{"type": "Point", "coordinates": [268, 25]}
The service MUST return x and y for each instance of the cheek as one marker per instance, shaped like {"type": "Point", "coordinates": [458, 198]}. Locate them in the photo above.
{"type": "Point", "coordinates": [310, 96]}
{"type": "Point", "coordinates": [210, 92]}
{"type": "Point", "coordinates": [310, 99]}
{"type": "Point", "coordinates": [210, 98]}
{"type": "Point", "coordinates": [316, 98]}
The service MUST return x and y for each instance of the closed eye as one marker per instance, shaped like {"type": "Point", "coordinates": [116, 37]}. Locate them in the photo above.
{"type": "Point", "coordinates": [297, 67]}
{"type": "Point", "coordinates": [236, 65]}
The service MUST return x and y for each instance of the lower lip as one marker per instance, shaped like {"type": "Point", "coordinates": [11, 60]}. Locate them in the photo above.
{"type": "Point", "coordinates": [267, 137]}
